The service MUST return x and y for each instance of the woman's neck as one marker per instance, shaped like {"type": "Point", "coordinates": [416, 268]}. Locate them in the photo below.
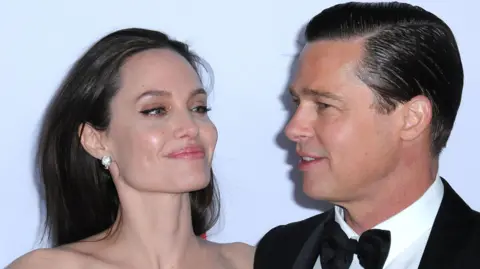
{"type": "Point", "coordinates": [155, 229]}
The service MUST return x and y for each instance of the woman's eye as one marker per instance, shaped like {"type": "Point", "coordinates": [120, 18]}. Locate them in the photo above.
{"type": "Point", "coordinates": [160, 111]}
{"type": "Point", "coordinates": [201, 109]}
{"type": "Point", "coordinates": [154, 111]}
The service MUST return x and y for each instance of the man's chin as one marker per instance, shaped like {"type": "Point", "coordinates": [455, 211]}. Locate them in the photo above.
{"type": "Point", "coordinates": [318, 189]}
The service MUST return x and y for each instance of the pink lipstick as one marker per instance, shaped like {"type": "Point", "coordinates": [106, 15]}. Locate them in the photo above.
{"type": "Point", "coordinates": [189, 153]}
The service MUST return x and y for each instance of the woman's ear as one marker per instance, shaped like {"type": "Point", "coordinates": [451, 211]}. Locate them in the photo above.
{"type": "Point", "coordinates": [93, 140]}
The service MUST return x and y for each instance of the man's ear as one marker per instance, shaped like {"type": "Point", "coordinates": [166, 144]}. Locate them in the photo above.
{"type": "Point", "coordinates": [417, 116]}
{"type": "Point", "coordinates": [92, 140]}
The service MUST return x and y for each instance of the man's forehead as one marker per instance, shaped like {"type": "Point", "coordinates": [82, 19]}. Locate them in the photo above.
{"type": "Point", "coordinates": [327, 57]}
{"type": "Point", "coordinates": [327, 68]}
{"type": "Point", "coordinates": [336, 52]}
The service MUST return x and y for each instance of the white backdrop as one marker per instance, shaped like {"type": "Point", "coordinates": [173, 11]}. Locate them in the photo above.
{"type": "Point", "coordinates": [250, 45]}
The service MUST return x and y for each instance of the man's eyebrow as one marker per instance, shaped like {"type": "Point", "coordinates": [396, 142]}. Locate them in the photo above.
{"type": "Point", "coordinates": [314, 93]}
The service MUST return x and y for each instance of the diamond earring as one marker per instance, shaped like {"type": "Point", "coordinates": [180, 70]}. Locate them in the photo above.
{"type": "Point", "coordinates": [106, 161]}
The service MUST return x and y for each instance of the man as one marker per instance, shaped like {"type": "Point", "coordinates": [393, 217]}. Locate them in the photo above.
{"type": "Point", "coordinates": [378, 87]}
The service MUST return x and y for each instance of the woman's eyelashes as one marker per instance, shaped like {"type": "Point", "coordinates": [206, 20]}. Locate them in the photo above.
{"type": "Point", "coordinates": [201, 109]}
{"type": "Point", "coordinates": [161, 110]}
{"type": "Point", "coordinates": [156, 111]}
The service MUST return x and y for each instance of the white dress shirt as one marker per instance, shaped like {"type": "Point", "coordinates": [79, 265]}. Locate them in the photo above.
{"type": "Point", "coordinates": [409, 230]}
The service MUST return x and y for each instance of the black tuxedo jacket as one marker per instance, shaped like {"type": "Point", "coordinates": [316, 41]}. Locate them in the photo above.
{"type": "Point", "coordinates": [454, 241]}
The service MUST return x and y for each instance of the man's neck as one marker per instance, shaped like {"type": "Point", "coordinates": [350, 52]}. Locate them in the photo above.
{"type": "Point", "coordinates": [388, 198]}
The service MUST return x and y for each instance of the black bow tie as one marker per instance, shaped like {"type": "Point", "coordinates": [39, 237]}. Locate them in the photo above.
{"type": "Point", "coordinates": [337, 250]}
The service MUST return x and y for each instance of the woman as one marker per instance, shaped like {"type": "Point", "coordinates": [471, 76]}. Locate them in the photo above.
{"type": "Point", "coordinates": [125, 155]}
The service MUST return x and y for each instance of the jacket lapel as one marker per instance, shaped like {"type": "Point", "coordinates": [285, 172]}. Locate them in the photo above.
{"type": "Point", "coordinates": [452, 226]}
{"type": "Point", "coordinates": [309, 252]}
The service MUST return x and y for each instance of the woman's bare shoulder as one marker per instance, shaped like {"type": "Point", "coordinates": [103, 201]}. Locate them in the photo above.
{"type": "Point", "coordinates": [240, 254]}
{"type": "Point", "coordinates": [44, 258]}
{"type": "Point", "coordinates": [51, 258]}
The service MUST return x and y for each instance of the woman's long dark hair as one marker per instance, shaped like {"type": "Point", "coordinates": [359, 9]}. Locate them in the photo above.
{"type": "Point", "coordinates": [81, 199]}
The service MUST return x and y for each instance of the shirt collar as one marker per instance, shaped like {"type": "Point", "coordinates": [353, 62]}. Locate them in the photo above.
{"type": "Point", "coordinates": [409, 224]}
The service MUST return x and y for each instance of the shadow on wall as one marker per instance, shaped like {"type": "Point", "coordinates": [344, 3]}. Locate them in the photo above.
{"type": "Point", "coordinates": [292, 158]}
